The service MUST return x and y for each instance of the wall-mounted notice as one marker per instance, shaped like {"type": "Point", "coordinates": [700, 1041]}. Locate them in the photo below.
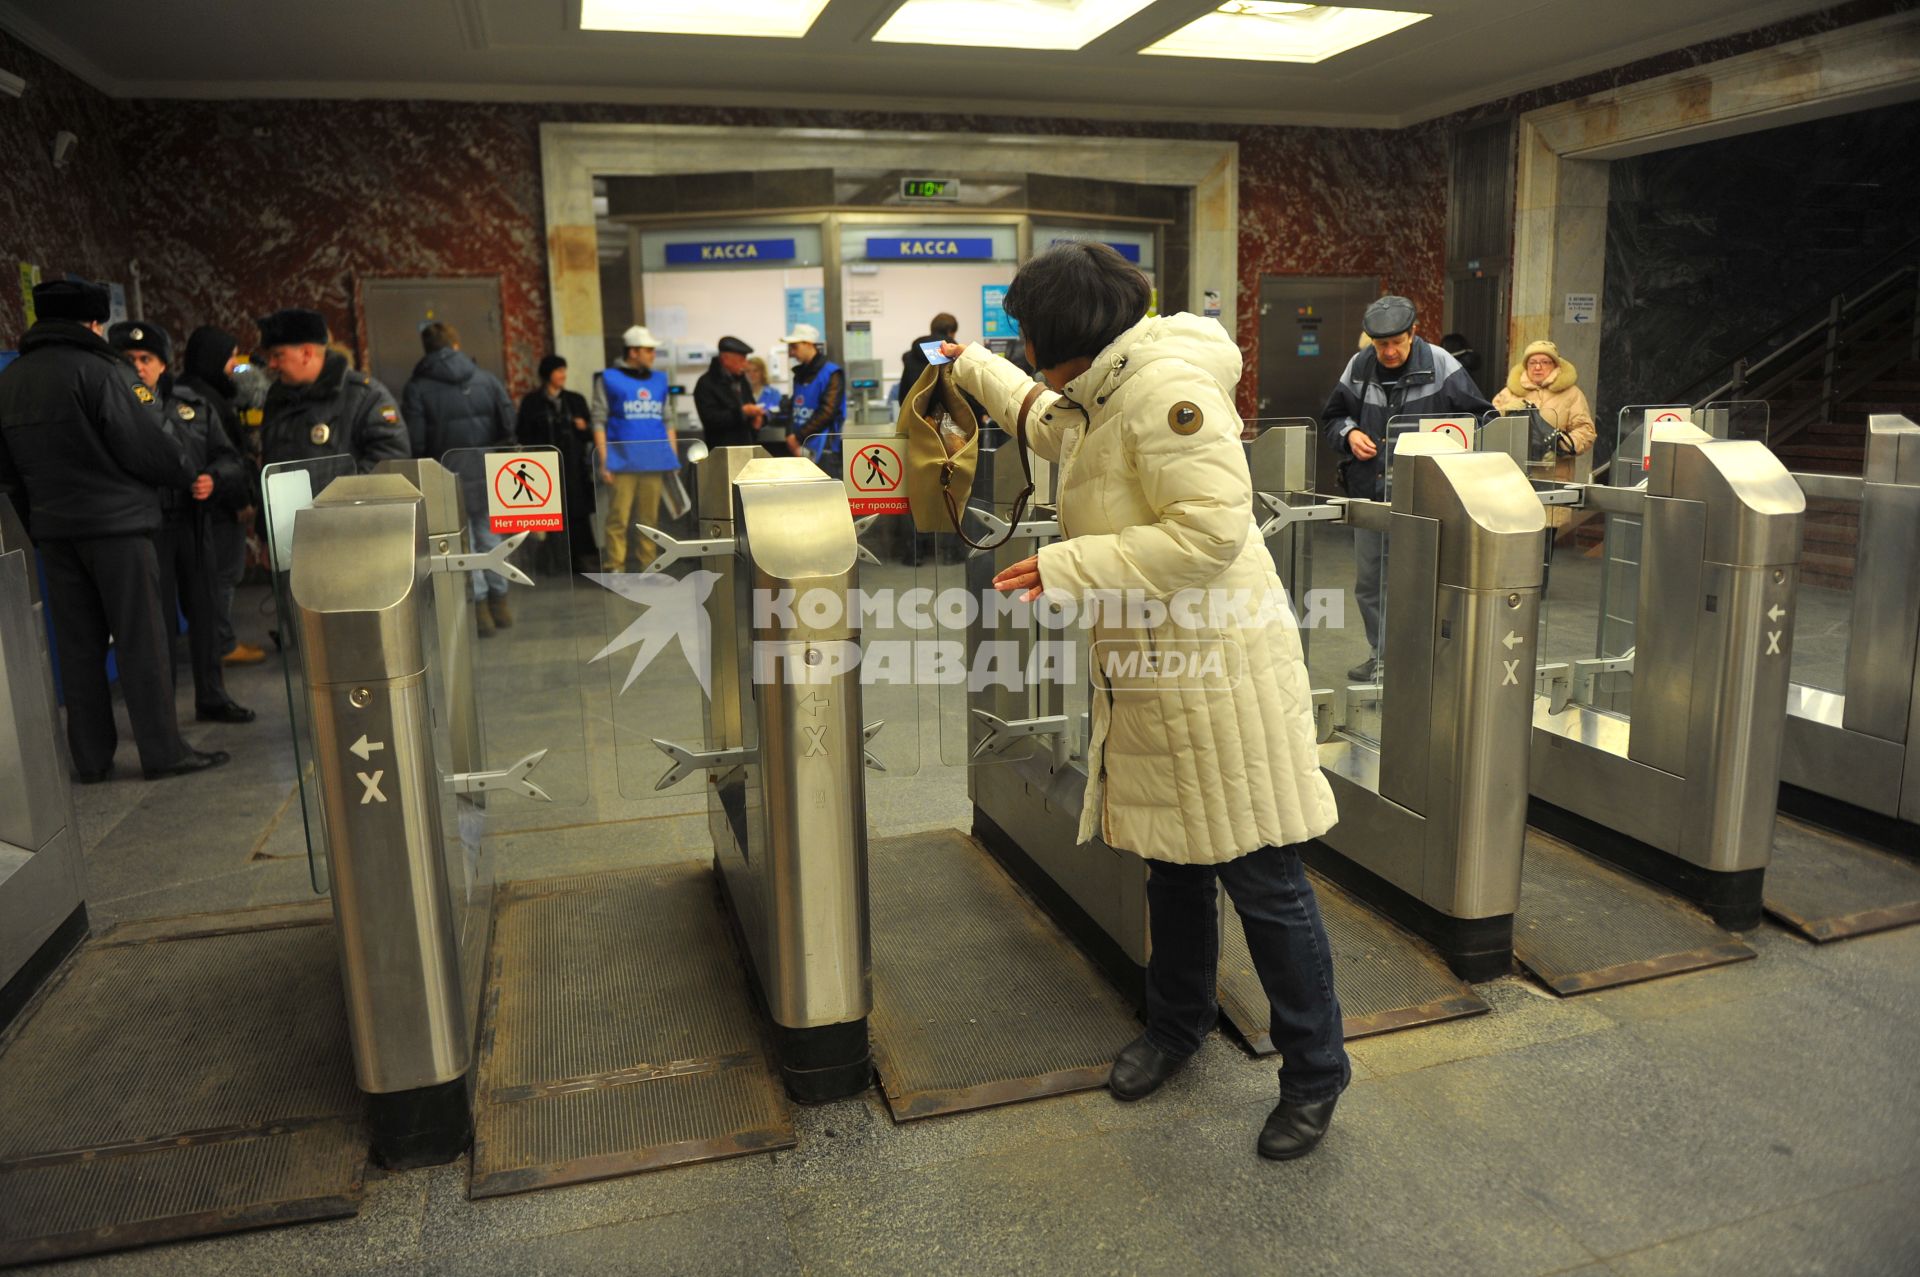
{"type": "Point", "coordinates": [1582, 307]}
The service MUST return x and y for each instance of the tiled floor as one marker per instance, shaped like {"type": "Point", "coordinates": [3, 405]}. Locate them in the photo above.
{"type": "Point", "coordinates": [1762, 1117]}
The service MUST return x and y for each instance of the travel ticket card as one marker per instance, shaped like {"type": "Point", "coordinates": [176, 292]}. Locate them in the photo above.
{"type": "Point", "coordinates": [931, 349]}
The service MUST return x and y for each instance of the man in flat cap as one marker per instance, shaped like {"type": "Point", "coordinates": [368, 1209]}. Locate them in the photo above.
{"type": "Point", "coordinates": [320, 407]}
{"type": "Point", "coordinates": [1397, 374]}
{"type": "Point", "coordinates": [185, 543]}
{"type": "Point", "coordinates": [724, 398]}
{"type": "Point", "coordinates": [82, 454]}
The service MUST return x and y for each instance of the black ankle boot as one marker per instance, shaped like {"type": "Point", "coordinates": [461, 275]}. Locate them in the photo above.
{"type": "Point", "coordinates": [1294, 1130]}
{"type": "Point", "coordinates": [1142, 1068]}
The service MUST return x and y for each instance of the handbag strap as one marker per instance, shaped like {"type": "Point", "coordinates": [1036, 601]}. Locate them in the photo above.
{"type": "Point", "coordinates": [1019, 502]}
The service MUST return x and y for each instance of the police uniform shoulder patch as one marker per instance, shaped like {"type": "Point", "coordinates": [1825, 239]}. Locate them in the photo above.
{"type": "Point", "coordinates": [1185, 418]}
{"type": "Point", "coordinates": [390, 414]}
{"type": "Point", "coordinates": [141, 393]}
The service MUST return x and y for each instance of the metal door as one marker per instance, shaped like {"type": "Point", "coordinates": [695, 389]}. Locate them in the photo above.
{"type": "Point", "coordinates": [1309, 329]}
{"type": "Point", "coordinates": [397, 309]}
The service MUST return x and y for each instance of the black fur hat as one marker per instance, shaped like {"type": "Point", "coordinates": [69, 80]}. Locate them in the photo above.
{"type": "Point", "coordinates": [138, 334]}
{"type": "Point", "coordinates": [293, 327]}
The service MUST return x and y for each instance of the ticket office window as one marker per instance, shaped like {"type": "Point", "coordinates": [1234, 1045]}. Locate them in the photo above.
{"type": "Point", "coordinates": [750, 282]}
{"type": "Point", "coordinates": [895, 279]}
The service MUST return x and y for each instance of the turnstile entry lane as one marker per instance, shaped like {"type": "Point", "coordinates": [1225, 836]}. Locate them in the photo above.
{"type": "Point", "coordinates": [620, 1034]}
{"type": "Point", "coordinates": [1829, 886]}
{"type": "Point", "coordinates": [1584, 926]}
{"type": "Point", "coordinates": [1385, 978]}
{"type": "Point", "coordinates": [979, 1000]}
{"type": "Point", "coordinates": [181, 1078]}
{"type": "Point", "coordinates": [1850, 762]}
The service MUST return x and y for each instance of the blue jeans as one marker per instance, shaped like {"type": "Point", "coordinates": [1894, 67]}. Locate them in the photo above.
{"type": "Point", "coordinates": [1270, 891]}
{"type": "Point", "coordinates": [484, 539]}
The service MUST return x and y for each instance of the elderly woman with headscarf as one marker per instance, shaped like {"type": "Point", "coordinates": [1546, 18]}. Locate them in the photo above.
{"type": "Point", "coordinates": [1213, 778]}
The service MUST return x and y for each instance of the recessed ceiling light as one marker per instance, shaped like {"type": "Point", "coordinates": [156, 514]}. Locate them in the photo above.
{"type": "Point", "coordinates": [1274, 31]}
{"type": "Point", "coordinates": [776, 19]}
{"type": "Point", "coordinates": [1006, 24]}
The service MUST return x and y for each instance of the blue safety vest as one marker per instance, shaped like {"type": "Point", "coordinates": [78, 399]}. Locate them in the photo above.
{"type": "Point", "coordinates": [806, 398]}
{"type": "Point", "coordinates": [637, 422]}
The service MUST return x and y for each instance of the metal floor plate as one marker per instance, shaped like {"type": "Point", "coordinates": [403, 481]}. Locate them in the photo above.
{"type": "Point", "coordinates": [1582, 926]}
{"type": "Point", "coordinates": [181, 1079]}
{"type": "Point", "coordinates": [1385, 978]}
{"type": "Point", "coordinates": [1828, 886]}
{"type": "Point", "coordinates": [978, 999]}
{"type": "Point", "coordinates": [619, 1034]}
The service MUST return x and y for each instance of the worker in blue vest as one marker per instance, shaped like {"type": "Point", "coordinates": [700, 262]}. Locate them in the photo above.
{"type": "Point", "coordinates": [634, 445]}
{"type": "Point", "coordinates": [819, 400]}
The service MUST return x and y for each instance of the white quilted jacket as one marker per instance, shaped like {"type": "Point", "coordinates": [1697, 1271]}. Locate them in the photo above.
{"type": "Point", "coordinates": [1155, 497]}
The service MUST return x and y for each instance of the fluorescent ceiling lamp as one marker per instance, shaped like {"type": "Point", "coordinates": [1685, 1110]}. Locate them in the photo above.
{"type": "Point", "coordinates": [1274, 31]}
{"type": "Point", "coordinates": [777, 19]}
{"type": "Point", "coordinates": [1006, 24]}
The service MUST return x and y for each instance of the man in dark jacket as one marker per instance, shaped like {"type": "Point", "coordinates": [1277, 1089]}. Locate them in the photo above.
{"type": "Point", "coordinates": [1398, 374]}
{"type": "Point", "coordinates": [914, 361]}
{"type": "Point", "coordinates": [453, 409]}
{"type": "Point", "coordinates": [212, 355]}
{"type": "Point", "coordinates": [82, 451]}
{"type": "Point", "coordinates": [185, 544]}
{"type": "Point", "coordinates": [724, 398]}
{"type": "Point", "coordinates": [552, 416]}
{"type": "Point", "coordinates": [320, 407]}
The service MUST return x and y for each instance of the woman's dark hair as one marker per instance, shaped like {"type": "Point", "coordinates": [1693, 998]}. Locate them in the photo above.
{"type": "Point", "coordinates": [1074, 299]}
{"type": "Point", "coordinates": [547, 366]}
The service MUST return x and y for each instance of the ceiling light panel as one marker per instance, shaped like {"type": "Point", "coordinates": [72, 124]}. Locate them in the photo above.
{"type": "Point", "coordinates": [768, 19]}
{"type": "Point", "coordinates": [1006, 24]}
{"type": "Point", "coordinates": [1273, 31]}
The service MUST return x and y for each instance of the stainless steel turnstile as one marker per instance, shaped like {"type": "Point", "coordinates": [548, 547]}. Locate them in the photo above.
{"type": "Point", "coordinates": [361, 589]}
{"type": "Point", "coordinates": [1860, 746]}
{"type": "Point", "coordinates": [1433, 814]}
{"type": "Point", "coordinates": [1683, 792]}
{"type": "Point", "coordinates": [786, 753]}
{"type": "Point", "coordinates": [43, 912]}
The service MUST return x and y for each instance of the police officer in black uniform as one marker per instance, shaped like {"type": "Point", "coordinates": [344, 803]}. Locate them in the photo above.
{"type": "Point", "coordinates": [185, 544]}
{"type": "Point", "coordinates": [320, 407]}
{"type": "Point", "coordinates": [82, 452]}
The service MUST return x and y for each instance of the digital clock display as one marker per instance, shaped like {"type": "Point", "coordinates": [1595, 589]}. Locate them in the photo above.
{"type": "Point", "coordinates": [930, 188]}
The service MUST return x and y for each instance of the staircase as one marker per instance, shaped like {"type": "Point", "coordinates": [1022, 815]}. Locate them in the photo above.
{"type": "Point", "coordinates": [1823, 374]}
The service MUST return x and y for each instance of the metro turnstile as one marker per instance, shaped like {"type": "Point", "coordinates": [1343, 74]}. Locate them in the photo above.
{"type": "Point", "coordinates": [360, 588]}
{"type": "Point", "coordinates": [786, 753]}
{"type": "Point", "coordinates": [43, 912]}
{"type": "Point", "coordinates": [1433, 817]}
{"type": "Point", "coordinates": [1683, 793]}
{"type": "Point", "coordinates": [1861, 746]}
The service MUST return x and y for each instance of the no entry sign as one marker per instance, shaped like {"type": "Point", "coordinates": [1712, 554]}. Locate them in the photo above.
{"type": "Point", "coordinates": [875, 478]}
{"type": "Point", "coordinates": [523, 493]}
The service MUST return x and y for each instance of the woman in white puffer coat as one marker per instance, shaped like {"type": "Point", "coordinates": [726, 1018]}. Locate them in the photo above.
{"type": "Point", "coordinates": [1211, 773]}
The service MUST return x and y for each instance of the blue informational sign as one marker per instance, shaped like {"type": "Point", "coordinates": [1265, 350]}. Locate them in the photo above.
{"type": "Point", "coordinates": [807, 306]}
{"type": "Point", "coordinates": [994, 320]}
{"type": "Point", "coordinates": [730, 252]}
{"type": "Point", "coordinates": [932, 248]}
{"type": "Point", "coordinates": [1129, 251]}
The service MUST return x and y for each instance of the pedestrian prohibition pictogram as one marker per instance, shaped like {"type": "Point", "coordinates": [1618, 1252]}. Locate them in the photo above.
{"type": "Point", "coordinates": [875, 477]}
{"type": "Point", "coordinates": [521, 493]}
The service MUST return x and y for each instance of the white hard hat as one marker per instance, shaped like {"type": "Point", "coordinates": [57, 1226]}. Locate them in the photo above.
{"type": "Point", "coordinates": [639, 336]}
{"type": "Point", "coordinates": [803, 332]}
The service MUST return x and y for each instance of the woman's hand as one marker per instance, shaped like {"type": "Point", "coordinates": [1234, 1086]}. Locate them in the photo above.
{"type": "Point", "coordinates": [950, 350]}
{"type": "Point", "coordinates": [1024, 575]}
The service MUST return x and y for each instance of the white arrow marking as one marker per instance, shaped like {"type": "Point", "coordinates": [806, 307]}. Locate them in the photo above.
{"type": "Point", "coordinates": [1775, 612]}
{"type": "Point", "coordinates": [372, 792]}
{"type": "Point", "coordinates": [365, 747]}
{"type": "Point", "coordinates": [812, 702]}
{"type": "Point", "coordinates": [1513, 674]}
{"type": "Point", "coordinates": [1773, 642]}
{"type": "Point", "coordinates": [1511, 641]}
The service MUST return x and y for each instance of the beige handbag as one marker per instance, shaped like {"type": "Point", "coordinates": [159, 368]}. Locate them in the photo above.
{"type": "Point", "coordinates": [939, 481]}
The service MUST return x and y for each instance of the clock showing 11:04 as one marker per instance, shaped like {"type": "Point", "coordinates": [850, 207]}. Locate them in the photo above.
{"type": "Point", "coordinates": [930, 188]}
